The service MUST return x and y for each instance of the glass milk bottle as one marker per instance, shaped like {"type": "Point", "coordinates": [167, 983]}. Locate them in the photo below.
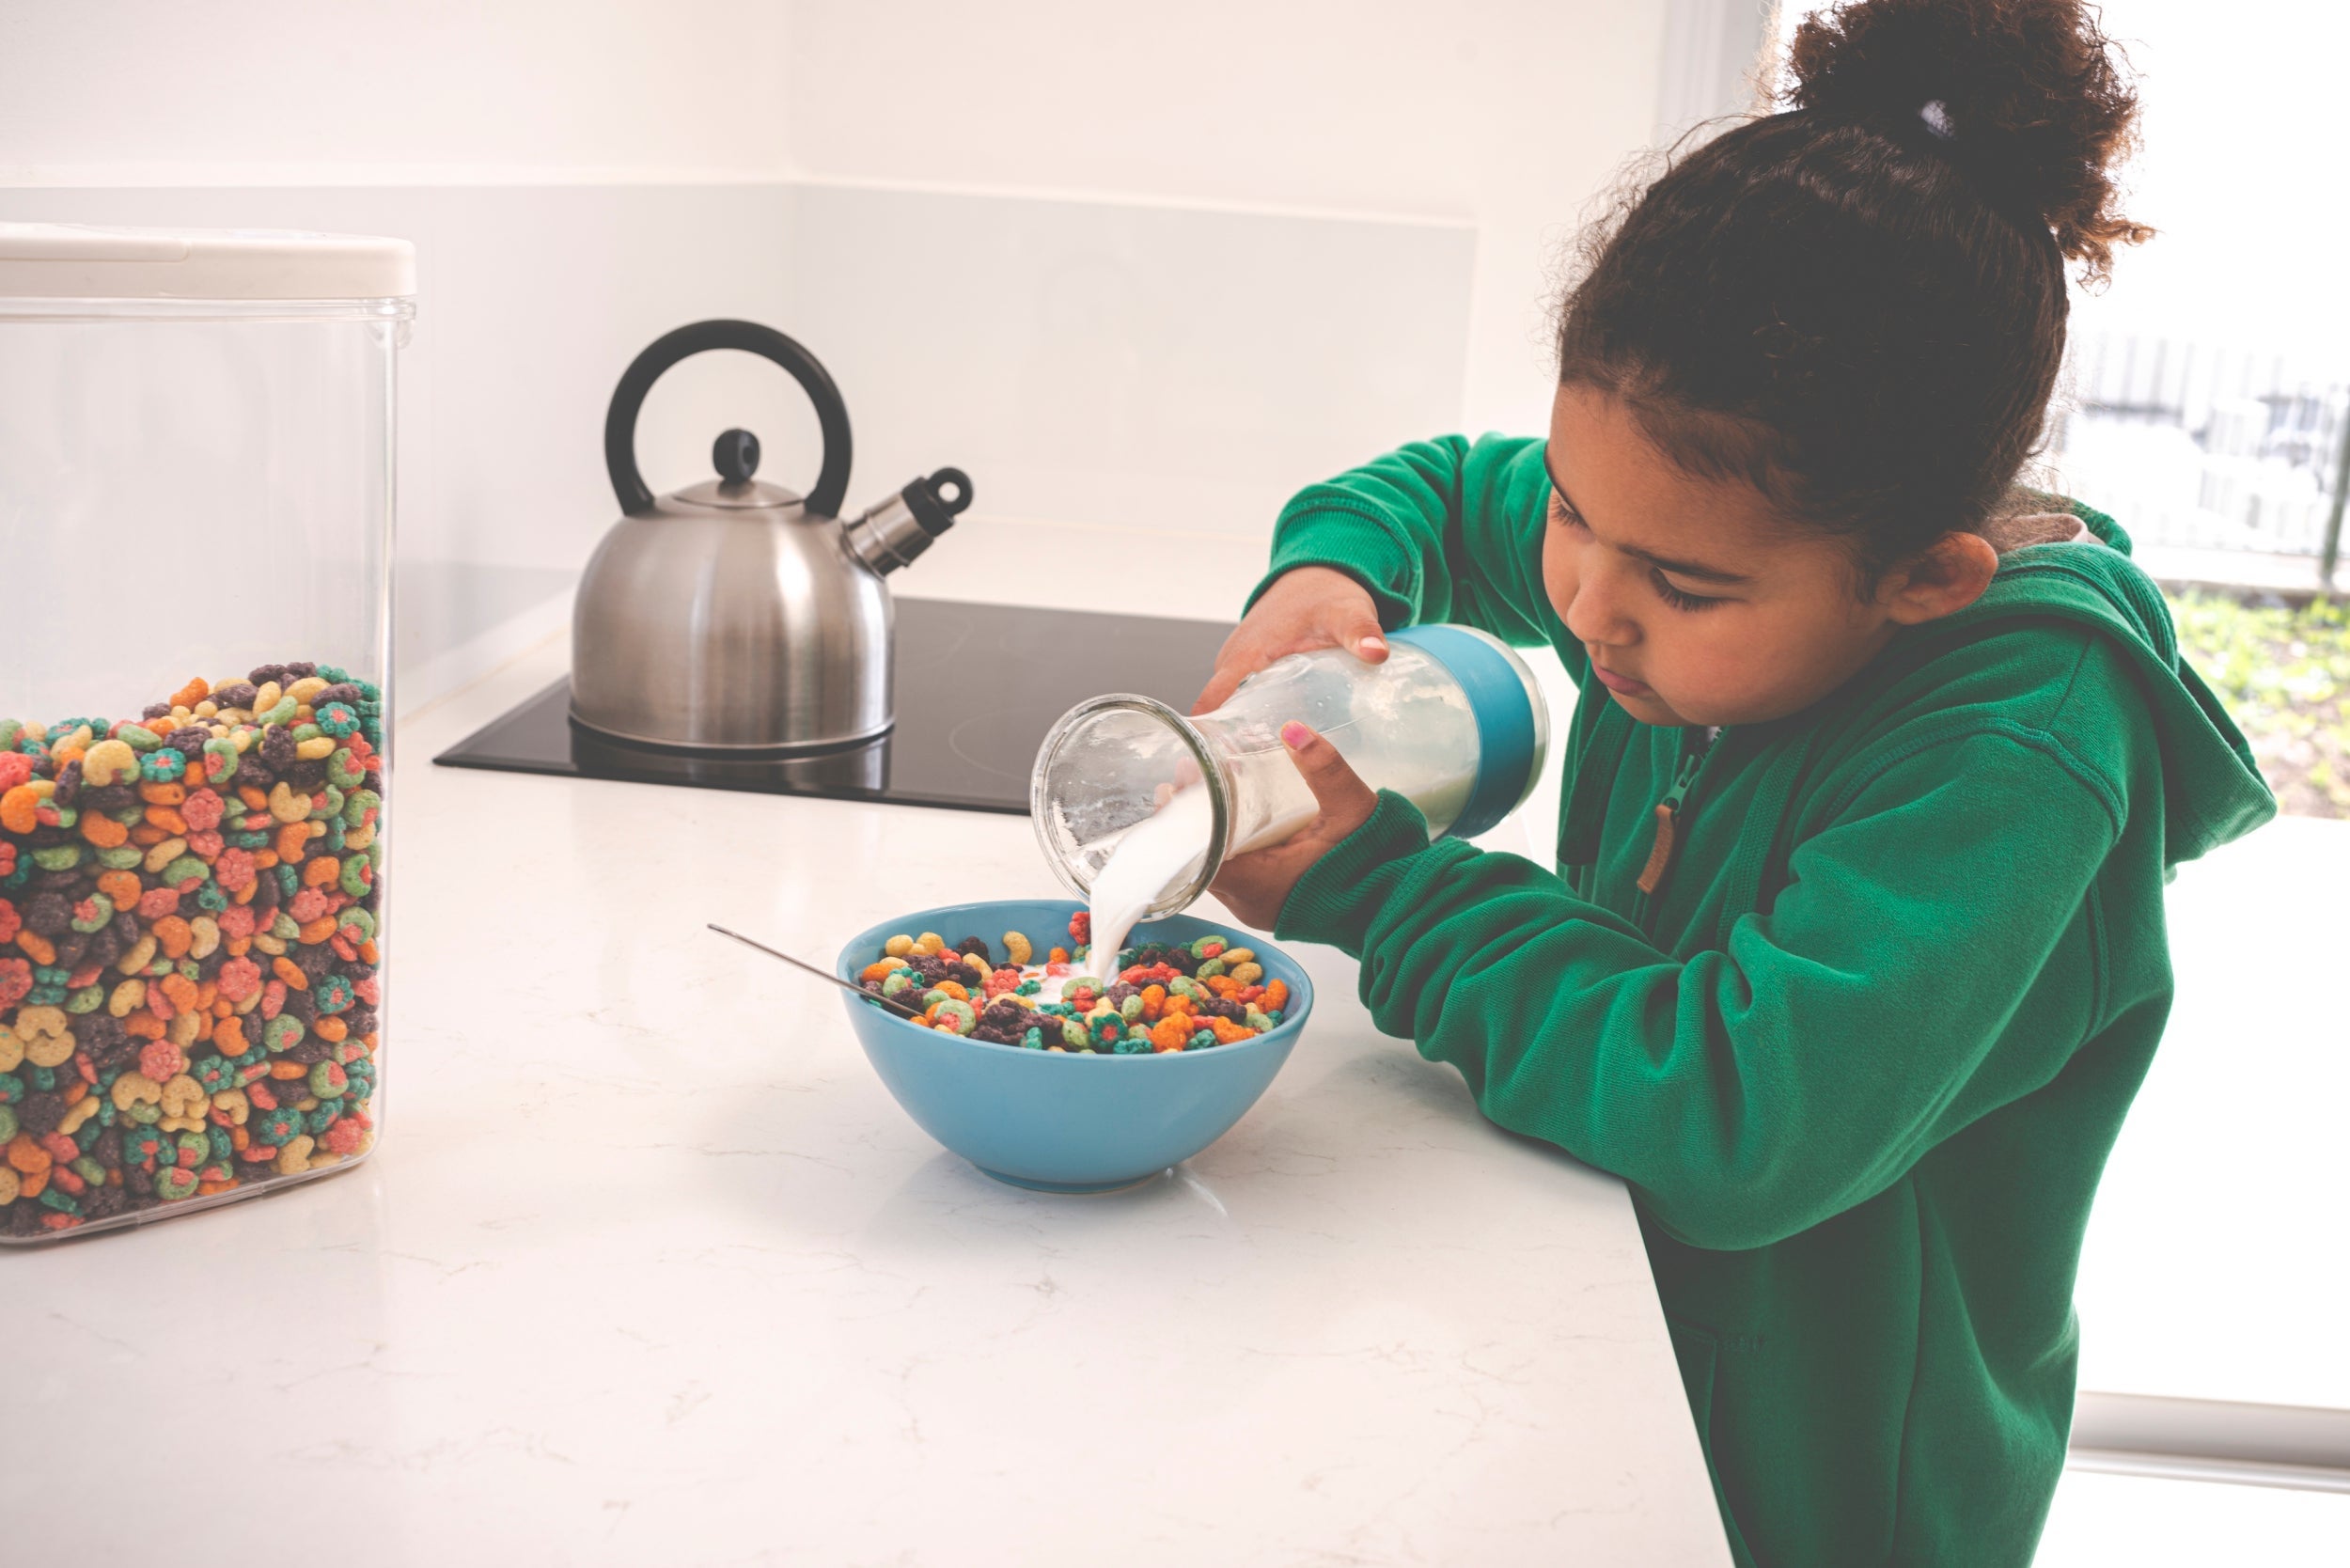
{"type": "Point", "coordinates": [195, 493]}
{"type": "Point", "coordinates": [1452, 720]}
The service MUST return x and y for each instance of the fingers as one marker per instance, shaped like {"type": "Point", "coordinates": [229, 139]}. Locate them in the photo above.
{"type": "Point", "coordinates": [1219, 689]}
{"type": "Point", "coordinates": [1358, 633]}
{"type": "Point", "coordinates": [1338, 789]}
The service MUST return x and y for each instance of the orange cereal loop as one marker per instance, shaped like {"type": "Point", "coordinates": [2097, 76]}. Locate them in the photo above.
{"type": "Point", "coordinates": [37, 947]}
{"type": "Point", "coordinates": [331, 1029]}
{"type": "Point", "coordinates": [264, 859]}
{"type": "Point", "coordinates": [879, 970]}
{"type": "Point", "coordinates": [321, 871]}
{"type": "Point", "coordinates": [146, 836]}
{"type": "Point", "coordinates": [1059, 955]}
{"type": "Point", "coordinates": [170, 820]}
{"type": "Point", "coordinates": [317, 931]}
{"type": "Point", "coordinates": [181, 990]}
{"type": "Point", "coordinates": [293, 841]}
{"type": "Point", "coordinates": [1229, 1033]}
{"type": "Point", "coordinates": [366, 951]}
{"type": "Point", "coordinates": [163, 794]}
{"type": "Point", "coordinates": [17, 808]}
{"type": "Point", "coordinates": [103, 831]}
{"type": "Point", "coordinates": [228, 1034]}
{"type": "Point", "coordinates": [1170, 1033]}
{"type": "Point", "coordinates": [954, 989]}
{"type": "Point", "coordinates": [144, 1024]}
{"type": "Point", "coordinates": [1223, 985]}
{"type": "Point", "coordinates": [1178, 1003]}
{"type": "Point", "coordinates": [287, 970]}
{"type": "Point", "coordinates": [122, 887]}
{"type": "Point", "coordinates": [26, 1156]}
{"type": "Point", "coordinates": [206, 1188]}
{"type": "Point", "coordinates": [1277, 996]}
{"type": "Point", "coordinates": [32, 1186]}
{"type": "Point", "coordinates": [254, 799]}
{"type": "Point", "coordinates": [287, 1071]}
{"type": "Point", "coordinates": [1154, 1002]}
{"type": "Point", "coordinates": [193, 693]}
{"type": "Point", "coordinates": [175, 937]}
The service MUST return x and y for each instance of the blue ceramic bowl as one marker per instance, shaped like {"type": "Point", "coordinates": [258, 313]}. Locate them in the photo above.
{"type": "Point", "coordinates": [1066, 1123]}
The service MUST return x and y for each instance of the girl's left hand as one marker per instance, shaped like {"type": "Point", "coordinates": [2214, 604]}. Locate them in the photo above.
{"type": "Point", "coordinates": [1254, 887]}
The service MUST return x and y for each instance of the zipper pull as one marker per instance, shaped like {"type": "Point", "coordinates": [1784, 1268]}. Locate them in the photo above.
{"type": "Point", "coordinates": [1660, 855]}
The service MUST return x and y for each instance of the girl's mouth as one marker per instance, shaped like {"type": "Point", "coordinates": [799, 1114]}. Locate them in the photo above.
{"type": "Point", "coordinates": [1623, 686]}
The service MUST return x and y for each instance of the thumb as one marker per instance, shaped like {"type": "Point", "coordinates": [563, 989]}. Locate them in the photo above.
{"type": "Point", "coordinates": [1338, 788]}
{"type": "Point", "coordinates": [1358, 632]}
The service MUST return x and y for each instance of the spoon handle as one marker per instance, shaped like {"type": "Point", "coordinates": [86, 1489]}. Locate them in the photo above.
{"type": "Point", "coordinates": [858, 991]}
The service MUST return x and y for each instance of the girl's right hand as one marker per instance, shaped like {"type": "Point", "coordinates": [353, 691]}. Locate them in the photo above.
{"type": "Point", "coordinates": [1306, 608]}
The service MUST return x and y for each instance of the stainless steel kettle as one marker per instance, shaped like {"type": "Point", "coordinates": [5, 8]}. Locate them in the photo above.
{"type": "Point", "coordinates": [732, 615]}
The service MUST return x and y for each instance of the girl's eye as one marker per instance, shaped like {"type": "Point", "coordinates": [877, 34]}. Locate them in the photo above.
{"type": "Point", "coordinates": [1561, 513]}
{"type": "Point", "coordinates": [1677, 599]}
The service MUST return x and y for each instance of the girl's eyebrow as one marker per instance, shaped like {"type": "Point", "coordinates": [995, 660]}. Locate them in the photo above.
{"type": "Point", "coordinates": [1662, 563]}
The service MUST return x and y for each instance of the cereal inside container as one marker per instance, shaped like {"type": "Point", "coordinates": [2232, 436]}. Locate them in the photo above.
{"type": "Point", "coordinates": [196, 499]}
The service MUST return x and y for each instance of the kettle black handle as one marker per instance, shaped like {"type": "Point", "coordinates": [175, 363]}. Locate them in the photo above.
{"type": "Point", "coordinates": [628, 400]}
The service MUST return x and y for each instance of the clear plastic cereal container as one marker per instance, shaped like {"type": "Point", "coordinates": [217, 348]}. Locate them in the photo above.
{"type": "Point", "coordinates": [195, 520]}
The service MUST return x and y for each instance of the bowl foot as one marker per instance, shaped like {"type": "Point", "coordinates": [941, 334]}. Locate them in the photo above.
{"type": "Point", "coordinates": [1121, 1185]}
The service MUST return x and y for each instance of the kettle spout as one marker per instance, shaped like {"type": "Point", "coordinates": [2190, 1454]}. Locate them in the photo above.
{"type": "Point", "coordinates": [892, 532]}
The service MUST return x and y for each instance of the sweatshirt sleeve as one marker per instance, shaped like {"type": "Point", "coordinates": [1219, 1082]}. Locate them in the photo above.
{"type": "Point", "coordinates": [1753, 1091]}
{"type": "Point", "coordinates": [1444, 531]}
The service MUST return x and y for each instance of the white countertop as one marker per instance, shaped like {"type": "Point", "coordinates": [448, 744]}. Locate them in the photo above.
{"type": "Point", "coordinates": [650, 1268]}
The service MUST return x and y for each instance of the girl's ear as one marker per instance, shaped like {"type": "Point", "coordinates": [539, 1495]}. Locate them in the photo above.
{"type": "Point", "coordinates": [1950, 575]}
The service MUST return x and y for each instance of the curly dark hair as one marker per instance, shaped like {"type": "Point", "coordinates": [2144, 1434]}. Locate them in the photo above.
{"type": "Point", "coordinates": [1859, 304]}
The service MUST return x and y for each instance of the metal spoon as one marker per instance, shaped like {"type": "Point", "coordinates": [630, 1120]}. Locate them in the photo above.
{"type": "Point", "coordinates": [856, 990]}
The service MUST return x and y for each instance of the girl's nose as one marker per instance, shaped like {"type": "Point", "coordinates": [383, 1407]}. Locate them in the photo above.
{"type": "Point", "coordinates": [1597, 614]}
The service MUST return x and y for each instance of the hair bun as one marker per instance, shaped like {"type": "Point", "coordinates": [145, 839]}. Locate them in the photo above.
{"type": "Point", "coordinates": [2032, 101]}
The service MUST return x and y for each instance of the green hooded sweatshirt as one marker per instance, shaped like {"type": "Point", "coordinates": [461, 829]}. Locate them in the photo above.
{"type": "Point", "coordinates": [1863, 1052]}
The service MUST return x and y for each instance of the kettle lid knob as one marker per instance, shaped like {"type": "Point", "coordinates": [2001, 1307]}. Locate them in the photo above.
{"type": "Point", "coordinates": [736, 456]}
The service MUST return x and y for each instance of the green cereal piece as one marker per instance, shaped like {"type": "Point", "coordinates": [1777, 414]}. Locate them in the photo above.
{"type": "Point", "coordinates": [280, 715]}
{"type": "Point", "coordinates": [358, 803]}
{"type": "Point", "coordinates": [375, 855]}
{"type": "Point", "coordinates": [139, 738]}
{"type": "Point", "coordinates": [58, 1198]}
{"type": "Point", "coordinates": [173, 1184]}
{"type": "Point", "coordinates": [306, 732]}
{"type": "Point", "coordinates": [284, 928]}
{"type": "Point", "coordinates": [89, 999]}
{"type": "Point", "coordinates": [361, 919]}
{"type": "Point", "coordinates": [8, 1119]}
{"type": "Point", "coordinates": [186, 868]}
{"type": "Point", "coordinates": [961, 1014]}
{"type": "Point", "coordinates": [358, 875]}
{"type": "Point", "coordinates": [1032, 1040]}
{"type": "Point", "coordinates": [1208, 969]}
{"type": "Point", "coordinates": [1072, 1034]}
{"type": "Point", "coordinates": [1209, 945]}
{"type": "Point", "coordinates": [1274, 1013]}
{"type": "Point", "coordinates": [123, 857]}
{"type": "Point", "coordinates": [240, 840]}
{"type": "Point", "coordinates": [897, 981]}
{"type": "Point", "coordinates": [1131, 1009]}
{"type": "Point", "coordinates": [57, 857]}
{"type": "Point", "coordinates": [343, 769]}
{"type": "Point", "coordinates": [1258, 1020]}
{"type": "Point", "coordinates": [283, 1032]}
{"type": "Point", "coordinates": [102, 915]}
{"type": "Point", "coordinates": [88, 1170]}
{"type": "Point", "coordinates": [10, 730]}
{"type": "Point", "coordinates": [144, 1112]}
{"type": "Point", "coordinates": [1202, 1041]}
{"type": "Point", "coordinates": [330, 1082]}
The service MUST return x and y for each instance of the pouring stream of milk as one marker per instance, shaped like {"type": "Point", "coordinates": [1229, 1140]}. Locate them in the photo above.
{"type": "Point", "coordinates": [1164, 849]}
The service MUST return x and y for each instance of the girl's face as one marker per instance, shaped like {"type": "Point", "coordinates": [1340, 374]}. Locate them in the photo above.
{"type": "Point", "coordinates": [1697, 606]}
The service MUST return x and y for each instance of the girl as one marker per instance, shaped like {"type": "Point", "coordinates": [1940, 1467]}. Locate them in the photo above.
{"type": "Point", "coordinates": [1855, 955]}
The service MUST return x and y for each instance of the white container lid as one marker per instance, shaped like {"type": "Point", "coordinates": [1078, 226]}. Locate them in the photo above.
{"type": "Point", "coordinates": [77, 261]}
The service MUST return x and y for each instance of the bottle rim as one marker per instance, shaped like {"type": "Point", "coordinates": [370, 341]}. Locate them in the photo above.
{"type": "Point", "coordinates": [1212, 773]}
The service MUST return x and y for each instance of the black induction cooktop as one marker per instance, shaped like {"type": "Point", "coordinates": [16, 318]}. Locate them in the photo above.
{"type": "Point", "coordinates": [978, 687]}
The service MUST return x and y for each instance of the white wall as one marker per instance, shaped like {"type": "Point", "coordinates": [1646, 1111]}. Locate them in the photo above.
{"type": "Point", "coordinates": [1505, 114]}
{"type": "Point", "coordinates": [306, 92]}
